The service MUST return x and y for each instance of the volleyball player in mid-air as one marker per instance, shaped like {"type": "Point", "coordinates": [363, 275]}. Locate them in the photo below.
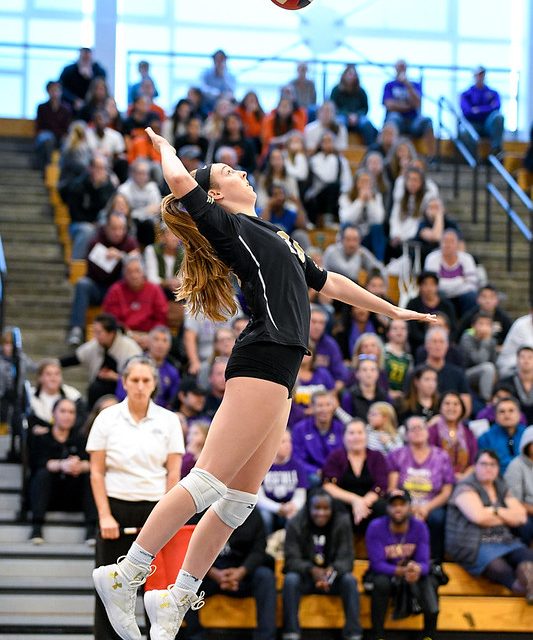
{"type": "Point", "coordinates": [221, 233]}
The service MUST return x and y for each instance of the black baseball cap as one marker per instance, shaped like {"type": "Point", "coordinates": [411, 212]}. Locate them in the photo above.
{"type": "Point", "coordinates": [399, 494]}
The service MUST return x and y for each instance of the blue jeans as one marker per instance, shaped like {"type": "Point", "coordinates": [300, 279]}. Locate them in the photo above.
{"type": "Point", "coordinates": [364, 128]}
{"type": "Point", "coordinates": [436, 523]}
{"type": "Point", "coordinates": [87, 292]}
{"type": "Point", "coordinates": [415, 127]}
{"type": "Point", "coordinates": [45, 143]}
{"type": "Point", "coordinates": [296, 585]}
{"type": "Point", "coordinates": [81, 234]}
{"type": "Point", "coordinates": [492, 128]}
{"type": "Point", "coordinates": [376, 241]}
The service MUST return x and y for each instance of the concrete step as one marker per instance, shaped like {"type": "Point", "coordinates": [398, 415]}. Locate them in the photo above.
{"type": "Point", "coordinates": [62, 550]}
{"type": "Point", "coordinates": [44, 252]}
{"type": "Point", "coordinates": [52, 533]}
{"type": "Point", "coordinates": [10, 476]}
{"type": "Point", "coordinates": [46, 567]}
{"type": "Point", "coordinates": [51, 582]}
{"type": "Point", "coordinates": [9, 501]}
{"type": "Point", "coordinates": [45, 636]}
{"type": "Point", "coordinates": [15, 234]}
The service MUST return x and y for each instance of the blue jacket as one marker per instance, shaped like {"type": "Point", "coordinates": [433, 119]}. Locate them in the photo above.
{"type": "Point", "coordinates": [497, 438]}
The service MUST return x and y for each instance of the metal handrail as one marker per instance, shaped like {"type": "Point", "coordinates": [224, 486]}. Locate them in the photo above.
{"type": "Point", "coordinates": [3, 272]}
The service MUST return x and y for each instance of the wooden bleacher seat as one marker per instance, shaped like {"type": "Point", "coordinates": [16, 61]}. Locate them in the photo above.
{"type": "Point", "coordinates": [466, 604]}
{"type": "Point", "coordinates": [77, 269]}
{"type": "Point", "coordinates": [323, 237]}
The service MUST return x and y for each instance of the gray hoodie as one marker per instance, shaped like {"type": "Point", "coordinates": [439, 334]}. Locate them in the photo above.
{"type": "Point", "coordinates": [519, 473]}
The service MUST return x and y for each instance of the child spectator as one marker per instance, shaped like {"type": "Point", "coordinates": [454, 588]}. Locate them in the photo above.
{"type": "Point", "coordinates": [319, 559]}
{"type": "Point", "coordinates": [357, 399]}
{"type": "Point", "coordinates": [479, 351]}
{"type": "Point", "coordinates": [488, 302]}
{"type": "Point", "coordinates": [196, 435]}
{"type": "Point", "coordinates": [503, 437]}
{"type": "Point", "coordinates": [450, 433]}
{"type": "Point", "coordinates": [382, 428]}
{"type": "Point", "coordinates": [356, 476]}
{"type": "Point", "coordinates": [398, 551]}
{"type": "Point", "coordinates": [283, 491]}
{"type": "Point", "coordinates": [398, 360]}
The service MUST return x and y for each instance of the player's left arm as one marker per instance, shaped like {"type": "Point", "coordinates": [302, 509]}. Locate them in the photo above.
{"type": "Point", "coordinates": [341, 288]}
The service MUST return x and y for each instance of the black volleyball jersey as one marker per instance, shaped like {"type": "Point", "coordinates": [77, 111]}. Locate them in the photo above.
{"type": "Point", "coordinates": [273, 270]}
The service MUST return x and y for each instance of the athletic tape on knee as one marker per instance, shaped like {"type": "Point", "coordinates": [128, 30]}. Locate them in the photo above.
{"type": "Point", "coordinates": [235, 507]}
{"type": "Point", "coordinates": [203, 487]}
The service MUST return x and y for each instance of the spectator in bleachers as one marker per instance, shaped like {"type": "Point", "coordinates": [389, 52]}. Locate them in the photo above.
{"type": "Point", "coordinates": [191, 402]}
{"type": "Point", "coordinates": [504, 435]}
{"type": "Point", "coordinates": [252, 115]}
{"type": "Point", "coordinates": [375, 165]}
{"type": "Point", "coordinates": [48, 390]}
{"type": "Point", "coordinates": [479, 351]}
{"type": "Point", "coordinates": [136, 303]}
{"type": "Point", "coordinates": [450, 433]}
{"type": "Point", "coordinates": [76, 78]}
{"type": "Point", "coordinates": [519, 479]}
{"type": "Point", "coordinates": [86, 196]}
{"type": "Point", "coordinates": [430, 300]}
{"type": "Point", "coordinates": [198, 103]}
{"type": "Point", "coordinates": [311, 378]}
{"type": "Point", "coordinates": [398, 551]}
{"type": "Point", "coordinates": [217, 386]}
{"type": "Point", "coordinates": [304, 88]}
{"type": "Point", "coordinates": [382, 428]}
{"type": "Point", "coordinates": [432, 225]}
{"type": "Point", "coordinates": [275, 172]}
{"type": "Point", "coordinates": [488, 413]}
{"type": "Point", "coordinates": [327, 352]}
{"type": "Point", "coordinates": [104, 140]}
{"type": "Point", "coordinates": [386, 140]}
{"type": "Point", "coordinates": [520, 334]}
{"type": "Point", "coordinates": [196, 436]}
{"type": "Point", "coordinates": [135, 449]}
{"type": "Point", "coordinates": [60, 472]}
{"type": "Point", "coordinates": [481, 107]}
{"type": "Point", "coordinates": [481, 515]}
{"type": "Point", "coordinates": [192, 137]}
{"type": "Point", "coordinates": [279, 124]}
{"type": "Point", "coordinates": [296, 162]}
{"type": "Point", "coordinates": [135, 89]}
{"type": "Point", "coordinates": [406, 213]}
{"type": "Point", "coordinates": [283, 490]}
{"type": "Point", "coordinates": [450, 376]}
{"type": "Point", "coordinates": [357, 476]}
{"type": "Point", "coordinates": [95, 99]}
{"type": "Point", "coordinates": [398, 360]}
{"type": "Point", "coordinates": [319, 559]}
{"type": "Point", "coordinates": [402, 98]}
{"type": "Point", "coordinates": [176, 125]}
{"type": "Point", "coordinates": [363, 207]}
{"type": "Point", "coordinates": [116, 121]}
{"type": "Point", "coordinates": [103, 356]}
{"type": "Point", "coordinates": [370, 344]}
{"type": "Point", "coordinates": [326, 121]}
{"type": "Point", "coordinates": [427, 185]}
{"type": "Point", "coordinates": [521, 382]}
{"type": "Point", "coordinates": [488, 303]}
{"type": "Point", "coordinates": [137, 119]}
{"type": "Point", "coordinates": [223, 344]}
{"type": "Point", "coordinates": [356, 400]}
{"type": "Point", "coordinates": [314, 437]}
{"type": "Point", "coordinates": [233, 136]}
{"type": "Point", "coordinates": [528, 158]}
{"type": "Point", "coordinates": [399, 158]}
{"type": "Point", "coordinates": [163, 260]}
{"type": "Point", "coordinates": [148, 90]}
{"type": "Point", "coordinates": [140, 147]}
{"type": "Point", "coordinates": [458, 278]}
{"type": "Point", "coordinates": [241, 570]}
{"type": "Point", "coordinates": [15, 365]}
{"type": "Point", "coordinates": [348, 257]}
{"type": "Point", "coordinates": [426, 472]}
{"type": "Point", "coordinates": [354, 323]}
{"type": "Point", "coordinates": [105, 253]}
{"type": "Point", "coordinates": [280, 210]}
{"type": "Point", "coordinates": [145, 198]}
{"type": "Point", "coordinates": [217, 81]}
{"type": "Point", "coordinates": [159, 343]}
{"type": "Point", "coordinates": [351, 101]}
{"type": "Point", "coordinates": [51, 124]}
{"type": "Point", "coordinates": [421, 396]}
{"type": "Point", "coordinates": [330, 178]}
{"type": "Point", "coordinates": [75, 157]}
{"type": "Point", "coordinates": [101, 404]}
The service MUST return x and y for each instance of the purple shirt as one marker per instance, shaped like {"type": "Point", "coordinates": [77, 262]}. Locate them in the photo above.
{"type": "Point", "coordinates": [337, 464]}
{"type": "Point", "coordinates": [310, 447]}
{"type": "Point", "coordinates": [282, 480]}
{"type": "Point", "coordinates": [356, 333]}
{"type": "Point", "coordinates": [396, 90]}
{"type": "Point", "coordinates": [329, 356]}
{"type": "Point", "coordinates": [386, 550]}
{"type": "Point", "coordinates": [320, 381]}
{"type": "Point", "coordinates": [423, 481]}
{"type": "Point", "coordinates": [478, 103]}
{"type": "Point", "coordinates": [187, 463]}
{"type": "Point", "coordinates": [169, 382]}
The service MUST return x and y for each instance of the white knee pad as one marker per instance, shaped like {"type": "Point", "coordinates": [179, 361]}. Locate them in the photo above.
{"type": "Point", "coordinates": [234, 507]}
{"type": "Point", "coordinates": [203, 487]}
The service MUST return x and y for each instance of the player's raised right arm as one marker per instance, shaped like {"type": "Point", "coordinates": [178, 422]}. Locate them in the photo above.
{"type": "Point", "coordinates": [176, 175]}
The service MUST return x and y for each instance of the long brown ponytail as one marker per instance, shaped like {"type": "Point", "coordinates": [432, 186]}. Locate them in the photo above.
{"type": "Point", "coordinates": [205, 279]}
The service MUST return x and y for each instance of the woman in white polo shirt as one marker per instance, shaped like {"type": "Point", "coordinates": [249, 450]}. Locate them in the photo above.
{"type": "Point", "coordinates": [135, 450]}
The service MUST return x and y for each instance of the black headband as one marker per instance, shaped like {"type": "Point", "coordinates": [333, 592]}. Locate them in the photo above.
{"type": "Point", "coordinates": [203, 177]}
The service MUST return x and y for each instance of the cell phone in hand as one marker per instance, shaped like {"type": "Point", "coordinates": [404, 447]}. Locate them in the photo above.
{"type": "Point", "coordinates": [331, 578]}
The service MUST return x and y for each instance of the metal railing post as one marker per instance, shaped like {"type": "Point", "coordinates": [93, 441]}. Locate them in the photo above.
{"type": "Point", "coordinates": [475, 172]}
{"type": "Point", "coordinates": [456, 174]}
{"type": "Point", "coordinates": [488, 206]}
{"type": "Point", "coordinates": [509, 242]}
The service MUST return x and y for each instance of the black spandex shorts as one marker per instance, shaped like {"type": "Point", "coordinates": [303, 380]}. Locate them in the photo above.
{"type": "Point", "coordinates": [268, 361]}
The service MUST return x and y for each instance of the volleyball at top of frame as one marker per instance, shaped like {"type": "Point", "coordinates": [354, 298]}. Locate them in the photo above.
{"type": "Point", "coordinates": [292, 5]}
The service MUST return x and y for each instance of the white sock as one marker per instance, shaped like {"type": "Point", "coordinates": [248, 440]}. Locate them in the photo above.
{"type": "Point", "coordinates": [136, 558]}
{"type": "Point", "coordinates": [187, 581]}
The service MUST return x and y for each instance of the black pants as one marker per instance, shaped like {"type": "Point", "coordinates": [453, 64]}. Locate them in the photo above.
{"type": "Point", "coordinates": [425, 591]}
{"type": "Point", "coordinates": [127, 514]}
{"type": "Point", "coordinates": [57, 491]}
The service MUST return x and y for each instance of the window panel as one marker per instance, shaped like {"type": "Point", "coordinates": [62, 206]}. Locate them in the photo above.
{"type": "Point", "coordinates": [58, 32]}
{"type": "Point", "coordinates": [487, 19]}
{"type": "Point", "coordinates": [11, 103]}
{"type": "Point", "coordinates": [12, 30]}
{"type": "Point", "coordinates": [137, 8]}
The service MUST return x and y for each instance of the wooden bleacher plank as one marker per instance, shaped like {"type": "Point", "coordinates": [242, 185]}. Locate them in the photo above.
{"type": "Point", "coordinates": [77, 269]}
{"type": "Point", "coordinates": [322, 237]}
{"type": "Point", "coordinates": [17, 127]}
